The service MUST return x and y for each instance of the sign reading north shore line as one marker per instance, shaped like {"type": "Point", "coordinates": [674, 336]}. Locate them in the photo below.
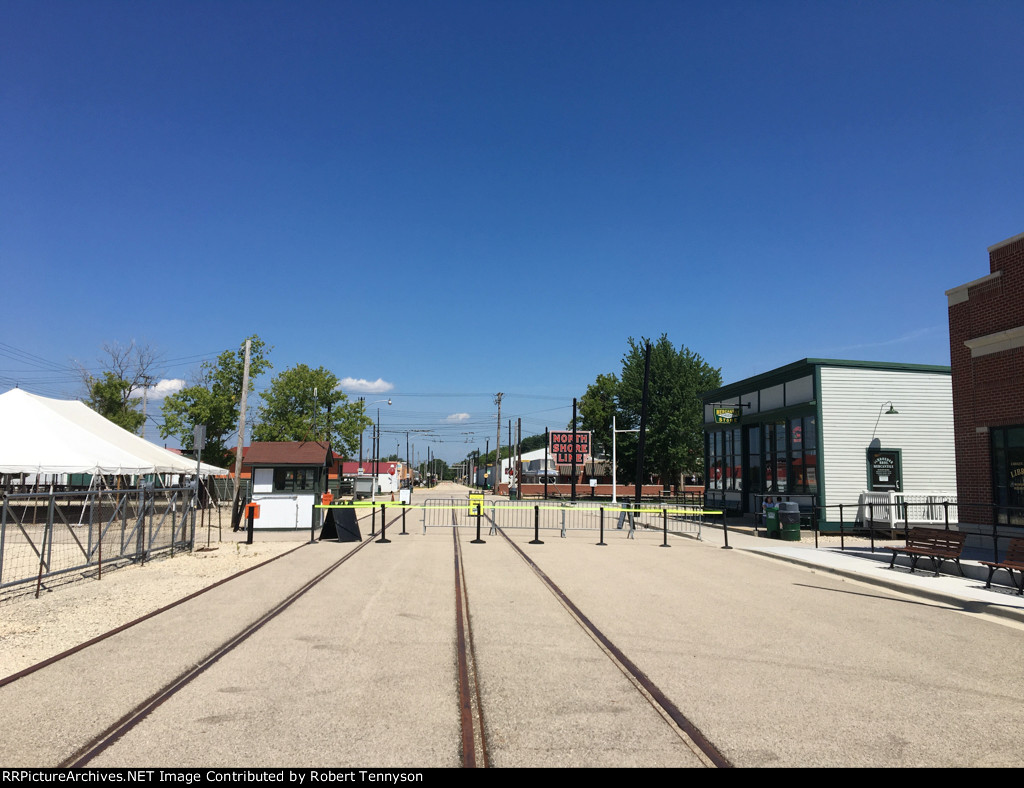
{"type": "Point", "coordinates": [562, 448]}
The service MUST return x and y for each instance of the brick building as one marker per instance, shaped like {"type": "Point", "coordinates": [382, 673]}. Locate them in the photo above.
{"type": "Point", "coordinates": [986, 348]}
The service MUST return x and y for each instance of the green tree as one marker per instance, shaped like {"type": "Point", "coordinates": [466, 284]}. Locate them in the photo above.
{"type": "Point", "coordinates": [214, 400]}
{"type": "Point", "coordinates": [305, 404]}
{"type": "Point", "coordinates": [595, 411]}
{"type": "Point", "coordinates": [110, 396]}
{"type": "Point", "coordinates": [674, 440]}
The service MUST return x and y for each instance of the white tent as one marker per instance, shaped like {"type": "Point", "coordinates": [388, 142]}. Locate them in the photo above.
{"type": "Point", "coordinates": [52, 436]}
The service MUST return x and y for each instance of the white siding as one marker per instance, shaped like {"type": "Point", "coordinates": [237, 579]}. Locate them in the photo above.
{"type": "Point", "coordinates": [851, 401]}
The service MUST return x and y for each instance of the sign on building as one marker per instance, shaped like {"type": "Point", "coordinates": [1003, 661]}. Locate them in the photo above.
{"type": "Point", "coordinates": [726, 415]}
{"type": "Point", "coordinates": [562, 447]}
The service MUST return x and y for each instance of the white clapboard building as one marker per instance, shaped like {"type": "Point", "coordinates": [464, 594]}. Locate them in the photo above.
{"type": "Point", "coordinates": [824, 432]}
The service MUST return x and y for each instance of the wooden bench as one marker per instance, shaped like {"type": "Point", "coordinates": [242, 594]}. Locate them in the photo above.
{"type": "Point", "coordinates": [935, 544]}
{"type": "Point", "coordinates": [1014, 559]}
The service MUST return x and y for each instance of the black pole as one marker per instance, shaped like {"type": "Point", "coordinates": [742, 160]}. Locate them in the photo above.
{"type": "Point", "coordinates": [664, 528]}
{"type": "Point", "coordinates": [536, 525]}
{"type": "Point", "coordinates": [573, 449]}
{"type": "Point", "coordinates": [643, 424]}
{"type": "Point", "coordinates": [249, 524]}
{"type": "Point", "coordinates": [547, 449]}
{"type": "Point", "coordinates": [602, 543]}
{"type": "Point", "coordinates": [383, 527]}
{"type": "Point", "coordinates": [403, 518]}
{"type": "Point", "coordinates": [725, 530]}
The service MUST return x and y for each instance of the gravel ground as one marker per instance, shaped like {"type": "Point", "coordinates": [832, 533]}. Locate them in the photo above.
{"type": "Point", "coordinates": [70, 613]}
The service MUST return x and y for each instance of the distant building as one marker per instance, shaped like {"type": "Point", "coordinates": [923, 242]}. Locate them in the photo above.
{"type": "Point", "coordinates": [986, 349]}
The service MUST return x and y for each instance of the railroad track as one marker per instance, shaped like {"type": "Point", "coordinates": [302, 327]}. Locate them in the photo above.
{"type": "Point", "coordinates": [474, 745]}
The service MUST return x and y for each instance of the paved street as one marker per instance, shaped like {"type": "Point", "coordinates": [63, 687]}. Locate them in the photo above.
{"type": "Point", "coordinates": [776, 663]}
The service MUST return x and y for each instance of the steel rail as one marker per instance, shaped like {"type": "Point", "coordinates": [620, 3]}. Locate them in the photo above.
{"type": "Point", "coordinates": [474, 743]}
{"type": "Point", "coordinates": [75, 649]}
{"type": "Point", "coordinates": [701, 746]}
{"type": "Point", "coordinates": [114, 732]}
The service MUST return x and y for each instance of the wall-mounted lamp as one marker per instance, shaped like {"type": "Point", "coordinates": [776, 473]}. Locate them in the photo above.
{"type": "Point", "coordinates": [891, 412]}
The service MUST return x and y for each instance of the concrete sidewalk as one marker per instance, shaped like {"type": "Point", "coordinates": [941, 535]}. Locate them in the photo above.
{"type": "Point", "coordinates": [858, 562]}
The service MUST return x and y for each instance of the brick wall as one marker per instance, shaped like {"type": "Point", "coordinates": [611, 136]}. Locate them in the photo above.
{"type": "Point", "coordinates": [988, 390]}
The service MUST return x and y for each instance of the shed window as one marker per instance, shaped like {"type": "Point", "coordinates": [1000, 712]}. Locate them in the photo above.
{"type": "Point", "coordinates": [292, 479]}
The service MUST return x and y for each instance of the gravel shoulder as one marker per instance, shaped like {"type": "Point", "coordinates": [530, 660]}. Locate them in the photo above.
{"type": "Point", "coordinates": [69, 613]}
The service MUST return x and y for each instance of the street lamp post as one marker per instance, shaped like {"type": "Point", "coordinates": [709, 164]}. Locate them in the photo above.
{"type": "Point", "coordinates": [614, 467]}
{"type": "Point", "coordinates": [376, 453]}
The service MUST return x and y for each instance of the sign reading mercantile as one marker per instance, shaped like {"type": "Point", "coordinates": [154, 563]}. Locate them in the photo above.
{"type": "Point", "coordinates": [726, 415]}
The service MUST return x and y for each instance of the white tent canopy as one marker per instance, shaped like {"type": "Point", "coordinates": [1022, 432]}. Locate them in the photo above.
{"type": "Point", "coordinates": [51, 436]}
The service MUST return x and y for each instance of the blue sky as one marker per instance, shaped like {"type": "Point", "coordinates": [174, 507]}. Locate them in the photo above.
{"type": "Point", "coordinates": [461, 198]}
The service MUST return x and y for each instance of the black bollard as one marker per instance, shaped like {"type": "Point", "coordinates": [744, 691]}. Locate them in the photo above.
{"type": "Point", "coordinates": [536, 526]}
{"type": "Point", "coordinates": [249, 525]}
{"type": "Point", "coordinates": [403, 521]}
{"type": "Point", "coordinates": [725, 530]}
{"type": "Point", "coordinates": [383, 527]}
{"type": "Point", "coordinates": [602, 542]}
{"type": "Point", "coordinates": [478, 540]}
{"type": "Point", "coordinates": [664, 528]}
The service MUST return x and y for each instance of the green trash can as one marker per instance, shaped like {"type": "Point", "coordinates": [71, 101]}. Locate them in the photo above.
{"type": "Point", "coordinates": [771, 522]}
{"type": "Point", "coordinates": [789, 521]}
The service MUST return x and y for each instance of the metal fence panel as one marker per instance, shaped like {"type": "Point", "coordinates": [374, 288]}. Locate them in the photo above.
{"type": "Point", "coordinates": [43, 535]}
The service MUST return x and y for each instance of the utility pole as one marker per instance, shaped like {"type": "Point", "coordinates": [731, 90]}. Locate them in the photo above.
{"type": "Point", "coordinates": [497, 446]}
{"type": "Point", "coordinates": [362, 402]}
{"type": "Point", "coordinates": [147, 381]}
{"type": "Point", "coordinates": [236, 515]}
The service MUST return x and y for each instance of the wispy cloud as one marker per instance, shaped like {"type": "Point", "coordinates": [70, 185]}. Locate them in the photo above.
{"type": "Point", "coordinates": [910, 337]}
{"type": "Point", "coordinates": [456, 418]}
{"type": "Point", "coordinates": [361, 386]}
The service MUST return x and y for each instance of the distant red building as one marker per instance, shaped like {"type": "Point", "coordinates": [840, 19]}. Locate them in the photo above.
{"type": "Point", "coordinates": [986, 348]}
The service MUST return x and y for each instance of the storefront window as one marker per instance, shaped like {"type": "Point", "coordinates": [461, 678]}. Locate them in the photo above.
{"type": "Point", "coordinates": [1008, 474]}
{"type": "Point", "coordinates": [803, 455]}
{"type": "Point", "coordinates": [725, 460]}
{"type": "Point", "coordinates": [754, 481]}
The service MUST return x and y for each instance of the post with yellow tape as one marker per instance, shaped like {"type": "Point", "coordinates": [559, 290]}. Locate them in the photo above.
{"type": "Point", "coordinates": [383, 527]}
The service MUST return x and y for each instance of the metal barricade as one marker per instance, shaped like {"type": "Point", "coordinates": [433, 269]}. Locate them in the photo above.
{"type": "Point", "coordinates": [43, 535]}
